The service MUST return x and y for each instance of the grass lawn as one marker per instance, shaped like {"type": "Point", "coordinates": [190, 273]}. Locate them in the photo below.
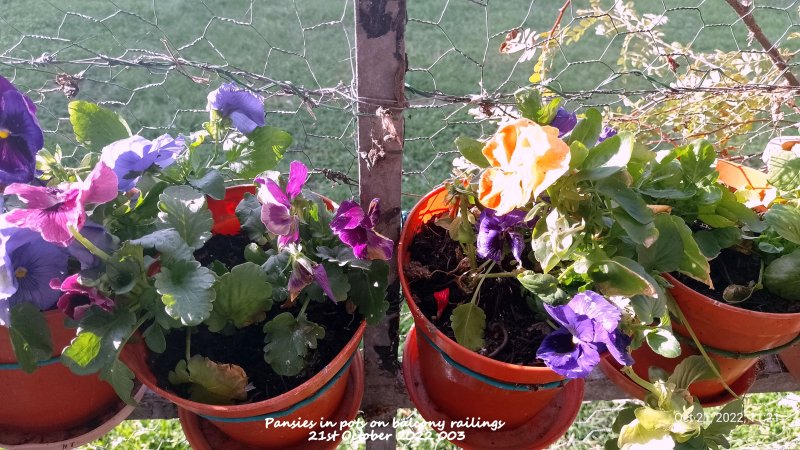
{"type": "Point", "coordinates": [452, 48]}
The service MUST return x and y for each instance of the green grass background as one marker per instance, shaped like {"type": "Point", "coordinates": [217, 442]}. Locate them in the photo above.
{"type": "Point", "coordinates": [452, 48]}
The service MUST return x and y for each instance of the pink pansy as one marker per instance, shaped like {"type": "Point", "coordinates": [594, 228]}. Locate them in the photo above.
{"type": "Point", "coordinates": [276, 212]}
{"type": "Point", "coordinates": [51, 211]}
{"type": "Point", "coordinates": [76, 299]}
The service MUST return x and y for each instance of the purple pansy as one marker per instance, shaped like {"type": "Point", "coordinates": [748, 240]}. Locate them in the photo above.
{"type": "Point", "coordinates": [588, 328]}
{"type": "Point", "coordinates": [131, 157]}
{"type": "Point", "coordinates": [494, 231]}
{"type": "Point", "coordinates": [76, 299]}
{"type": "Point", "coordinates": [304, 272]}
{"type": "Point", "coordinates": [51, 211]}
{"type": "Point", "coordinates": [98, 236]}
{"type": "Point", "coordinates": [357, 229]}
{"type": "Point", "coordinates": [27, 264]}
{"type": "Point", "coordinates": [21, 136]}
{"type": "Point", "coordinates": [243, 107]}
{"type": "Point", "coordinates": [606, 133]}
{"type": "Point", "coordinates": [564, 120]}
{"type": "Point", "coordinates": [276, 209]}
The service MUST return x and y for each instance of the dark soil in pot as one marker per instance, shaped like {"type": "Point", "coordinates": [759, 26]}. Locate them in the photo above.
{"type": "Point", "coordinates": [245, 347]}
{"type": "Point", "coordinates": [513, 330]}
{"type": "Point", "coordinates": [734, 267]}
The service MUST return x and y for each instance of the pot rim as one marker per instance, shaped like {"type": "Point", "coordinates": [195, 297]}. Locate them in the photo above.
{"type": "Point", "coordinates": [513, 373]}
{"type": "Point", "coordinates": [135, 358]}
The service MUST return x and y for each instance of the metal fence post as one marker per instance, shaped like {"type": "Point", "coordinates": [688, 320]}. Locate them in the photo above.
{"type": "Point", "coordinates": [379, 80]}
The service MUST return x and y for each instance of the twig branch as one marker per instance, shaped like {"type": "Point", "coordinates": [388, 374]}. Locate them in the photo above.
{"type": "Point", "coordinates": [745, 11]}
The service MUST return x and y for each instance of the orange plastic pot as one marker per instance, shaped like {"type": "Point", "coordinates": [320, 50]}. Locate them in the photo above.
{"type": "Point", "coordinates": [244, 423]}
{"type": "Point", "coordinates": [52, 398]}
{"type": "Point", "coordinates": [453, 390]}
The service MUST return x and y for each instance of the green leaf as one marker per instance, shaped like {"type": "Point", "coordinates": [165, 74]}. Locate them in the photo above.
{"type": "Point", "coordinates": [716, 220]}
{"type": "Point", "coordinates": [548, 112]}
{"type": "Point", "coordinates": [529, 104]}
{"type": "Point", "coordinates": [187, 290]}
{"type": "Point", "coordinates": [96, 126]}
{"type": "Point", "coordinates": [648, 309]}
{"type": "Point", "coordinates": [469, 323]}
{"type": "Point", "coordinates": [243, 297]}
{"type": "Point", "coordinates": [125, 268]}
{"type": "Point", "coordinates": [626, 198]}
{"type": "Point", "coordinates": [97, 343]}
{"type": "Point", "coordinates": [167, 242]}
{"type": "Point", "coordinates": [337, 278]}
{"type": "Point", "coordinates": [697, 160]}
{"type": "Point", "coordinates": [784, 171]}
{"type": "Point", "coordinates": [248, 211]}
{"type": "Point", "coordinates": [722, 427]}
{"type": "Point", "coordinates": [693, 368]}
{"type": "Point", "coordinates": [712, 242]}
{"type": "Point", "coordinates": [577, 154]}
{"type": "Point", "coordinates": [368, 291]}
{"type": "Point", "coordinates": [472, 150]}
{"type": "Point", "coordinates": [30, 336]}
{"type": "Point", "coordinates": [211, 383]}
{"type": "Point", "coordinates": [675, 249]}
{"type": "Point", "coordinates": [543, 286]}
{"type": "Point", "coordinates": [154, 338]}
{"type": "Point", "coordinates": [343, 256]}
{"type": "Point", "coordinates": [641, 234]}
{"type": "Point", "coordinates": [587, 131]}
{"type": "Point", "coordinates": [264, 150]}
{"type": "Point", "coordinates": [120, 377]}
{"type": "Point", "coordinates": [607, 158]}
{"type": "Point", "coordinates": [693, 262]}
{"type": "Point", "coordinates": [785, 220]}
{"type": "Point", "coordinates": [782, 276]}
{"type": "Point", "coordinates": [663, 342]}
{"type": "Point", "coordinates": [621, 276]}
{"type": "Point", "coordinates": [730, 208]}
{"type": "Point", "coordinates": [254, 254]}
{"type": "Point", "coordinates": [184, 209]}
{"type": "Point", "coordinates": [288, 341]}
{"type": "Point", "coordinates": [209, 182]}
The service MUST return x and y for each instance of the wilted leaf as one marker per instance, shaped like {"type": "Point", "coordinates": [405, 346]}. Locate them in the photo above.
{"type": "Point", "coordinates": [211, 383]}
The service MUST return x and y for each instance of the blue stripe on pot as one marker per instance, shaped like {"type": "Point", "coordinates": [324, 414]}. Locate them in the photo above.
{"type": "Point", "coordinates": [16, 366]}
{"type": "Point", "coordinates": [491, 381]}
{"type": "Point", "coordinates": [289, 410]}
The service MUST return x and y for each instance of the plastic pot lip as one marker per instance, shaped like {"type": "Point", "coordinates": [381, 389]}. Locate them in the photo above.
{"type": "Point", "coordinates": [740, 313]}
{"type": "Point", "coordinates": [135, 358]}
{"type": "Point", "coordinates": [513, 373]}
{"type": "Point", "coordinates": [55, 323]}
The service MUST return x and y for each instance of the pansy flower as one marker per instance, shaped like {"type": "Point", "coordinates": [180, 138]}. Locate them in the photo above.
{"type": "Point", "coordinates": [525, 159]}
{"type": "Point", "coordinates": [76, 299]}
{"type": "Point", "coordinates": [51, 211]}
{"type": "Point", "coordinates": [606, 133]}
{"type": "Point", "coordinates": [305, 272]}
{"type": "Point", "coordinates": [131, 157]}
{"type": "Point", "coordinates": [244, 108]}
{"type": "Point", "coordinates": [21, 136]}
{"type": "Point", "coordinates": [276, 209]}
{"type": "Point", "coordinates": [495, 231]}
{"type": "Point", "coordinates": [98, 236]}
{"type": "Point", "coordinates": [27, 264]}
{"type": "Point", "coordinates": [588, 327]}
{"type": "Point", "coordinates": [564, 121]}
{"type": "Point", "coordinates": [357, 229]}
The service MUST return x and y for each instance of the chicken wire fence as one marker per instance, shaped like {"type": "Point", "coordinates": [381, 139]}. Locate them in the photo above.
{"type": "Point", "coordinates": [668, 70]}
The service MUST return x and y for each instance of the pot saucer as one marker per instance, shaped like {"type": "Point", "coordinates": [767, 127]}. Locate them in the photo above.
{"type": "Point", "coordinates": [612, 370]}
{"type": "Point", "coordinates": [543, 429]}
{"type": "Point", "coordinates": [203, 435]}
{"type": "Point", "coordinates": [73, 437]}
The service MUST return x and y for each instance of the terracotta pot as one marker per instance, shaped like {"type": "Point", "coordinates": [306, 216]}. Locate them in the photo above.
{"type": "Point", "coordinates": [455, 392]}
{"type": "Point", "coordinates": [52, 398]}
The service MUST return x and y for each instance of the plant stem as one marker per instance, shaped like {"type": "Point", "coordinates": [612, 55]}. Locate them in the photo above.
{"type": "Point", "coordinates": [474, 300]}
{"type": "Point", "coordinates": [628, 370]}
{"type": "Point", "coordinates": [88, 244]}
{"type": "Point", "coordinates": [188, 344]}
{"type": "Point", "coordinates": [469, 248]}
{"type": "Point", "coordinates": [511, 274]}
{"type": "Point", "coordinates": [305, 305]}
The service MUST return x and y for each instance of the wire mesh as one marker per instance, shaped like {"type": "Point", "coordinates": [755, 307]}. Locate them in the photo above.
{"type": "Point", "coordinates": [668, 70]}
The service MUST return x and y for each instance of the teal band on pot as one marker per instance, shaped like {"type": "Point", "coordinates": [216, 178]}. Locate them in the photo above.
{"type": "Point", "coordinates": [16, 366]}
{"type": "Point", "coordinates": [291, 409]}
{"type": "Point", "coordinates": [491, 381]}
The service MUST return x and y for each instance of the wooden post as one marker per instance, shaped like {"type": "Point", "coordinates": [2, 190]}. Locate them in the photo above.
{"type": "Point", "coordinates": [379, 80]}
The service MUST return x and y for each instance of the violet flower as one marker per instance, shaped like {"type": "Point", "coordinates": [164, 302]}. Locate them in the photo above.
{"type": "Point", "coordinates": [77, 299]}
{"type": "Point", "coordinates": [27, 264]}
{"type": "Point", "coordinates": [564, 120]}
{"type": "Point", "coordinates": [21, 136]}
{"type": "Point", "coordinates": [606, 133]}
{"type": "Point", "coordinates": [243, 107]}
{"type": "Point", "coordinates": [357, 229]}
{"type": "Point", "coordinates": [588, 328]}
{"type": "Point", "coordinates": [52, 211]}
{"type": "Point", "coordinates": [494, 231]}
{"type": "Point", "coordinates": [304, 272]}
{"type": "Point", "coordinates": [276, 209]}
{"type": "Point", "coordinates": [98, 236]}
{"type": "Point", "coordinates": [131, 157]}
